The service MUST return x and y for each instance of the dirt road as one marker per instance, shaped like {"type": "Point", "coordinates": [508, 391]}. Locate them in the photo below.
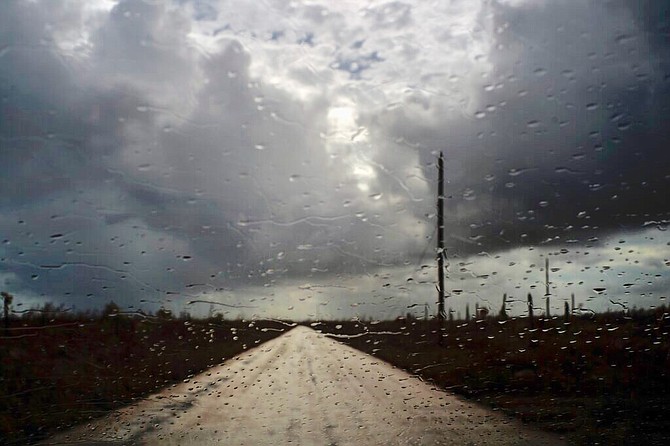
{"type": "Point", "coordinates": [304, 389]}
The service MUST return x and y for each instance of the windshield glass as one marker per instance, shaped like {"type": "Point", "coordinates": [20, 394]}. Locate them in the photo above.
{"type": "Point", "coordinates": [184, 180]}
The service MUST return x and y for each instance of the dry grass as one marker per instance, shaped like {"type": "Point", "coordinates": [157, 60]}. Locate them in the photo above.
{"type": "Point", "coordinates": [74, 369]}
{"type": "Point", "coordinates": [604, 380]}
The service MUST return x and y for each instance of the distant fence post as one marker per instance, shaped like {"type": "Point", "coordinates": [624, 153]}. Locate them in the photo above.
{"type": "Point", "coordinates": [503, 309]}
{"type": "Point", "coordinates": [530, 310]}
{"type": "Point", "coordinates": [547, 292]}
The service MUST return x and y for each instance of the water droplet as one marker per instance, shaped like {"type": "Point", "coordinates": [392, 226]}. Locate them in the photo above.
{"type": "Point", "coordinates": [623, 39]}
{"type": "Point", "coordinates": [515, 172]}
{"type": "Point", "coordinates": [469, 195]}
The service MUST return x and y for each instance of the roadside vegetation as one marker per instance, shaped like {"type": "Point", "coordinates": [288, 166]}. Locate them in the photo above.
{"type": "Point", "coordinates": [596, 379]}
{"type": "Point", "coordinates": [602, 379]}
{"type": "Point", "coordinates": [58, 369]}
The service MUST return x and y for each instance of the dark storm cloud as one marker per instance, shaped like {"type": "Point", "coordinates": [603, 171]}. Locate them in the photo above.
{"type": "Point", "coordinates": [143, 152]}
{"type": "Point", "coordinates": [160, 197]}
{"type": "Point", "coordinates": [569, 137]}
{"type": "Point", "coordinates": [33, 86]}
{"type": "Point", "coordinates": [61, 197]}
{"type": "Point", "coordinates": [592, 129]}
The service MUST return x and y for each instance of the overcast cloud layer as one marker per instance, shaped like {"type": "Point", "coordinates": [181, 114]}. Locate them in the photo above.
{"type": "Point", "coordinates": [272, 154]}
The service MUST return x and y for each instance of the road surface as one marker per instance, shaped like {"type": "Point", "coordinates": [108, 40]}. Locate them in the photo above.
{"type": "Point", "coordinates": [303, 388]}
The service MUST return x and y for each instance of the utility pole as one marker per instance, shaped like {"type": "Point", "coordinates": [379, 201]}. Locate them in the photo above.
{"type": "Point", "coordinates": [440, 247]}
{"type": "Point", "coordinates": [546, 272]}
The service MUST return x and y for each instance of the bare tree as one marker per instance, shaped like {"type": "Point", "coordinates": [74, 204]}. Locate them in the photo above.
{"type": "Point", "coordinates": [7, 298]}
{"type": "Point", "coordinates": [164, 314]}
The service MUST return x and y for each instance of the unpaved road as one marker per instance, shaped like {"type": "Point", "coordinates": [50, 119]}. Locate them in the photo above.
{"type": "Point", "coordinates": [304, 389]}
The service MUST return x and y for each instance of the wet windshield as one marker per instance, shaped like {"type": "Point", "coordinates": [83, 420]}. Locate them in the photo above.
{"type": "Point", "coordinates": [473, 191]}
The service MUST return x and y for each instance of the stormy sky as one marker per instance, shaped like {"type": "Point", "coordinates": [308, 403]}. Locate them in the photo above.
{"type": "Point", "coordinates": [279, 157]}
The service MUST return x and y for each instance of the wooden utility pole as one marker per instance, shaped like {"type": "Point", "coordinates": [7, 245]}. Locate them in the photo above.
{"type": "Point", "coordinates": [440, 247]}
{"type": "Point", "coordinates": [546, 279]}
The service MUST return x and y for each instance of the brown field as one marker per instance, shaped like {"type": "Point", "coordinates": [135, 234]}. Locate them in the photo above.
{"type": "Point", "coordinates": [64, 370]}
{"type": "Point", "coordinates": [599, 380]}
